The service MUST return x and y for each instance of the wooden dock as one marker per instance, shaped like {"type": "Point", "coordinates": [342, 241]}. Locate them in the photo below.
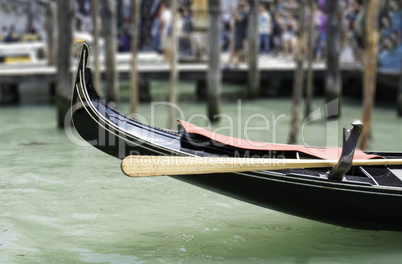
{"type": "Point", "coordinates": [151, 68]}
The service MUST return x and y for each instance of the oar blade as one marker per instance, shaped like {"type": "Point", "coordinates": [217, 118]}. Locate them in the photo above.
{"type": "Point", "coordinates": [146, 166]}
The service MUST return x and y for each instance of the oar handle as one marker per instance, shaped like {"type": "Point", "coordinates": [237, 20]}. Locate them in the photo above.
{"type": "Point", "coordinates": [143, 166]}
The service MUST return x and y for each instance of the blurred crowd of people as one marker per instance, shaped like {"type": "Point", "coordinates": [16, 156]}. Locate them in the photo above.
{"type": "Point", "coordinates": [155, 28]}
{"type": "Point", "coordinates": [278, 27]}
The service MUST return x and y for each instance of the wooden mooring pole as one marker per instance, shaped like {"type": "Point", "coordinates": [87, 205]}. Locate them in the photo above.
{"type": "Point", "coordinates": [110, 28]}
{"type": "Point", "coordinates": [333, 80]}
{"type": "Point", "coordinates": [95, 21]}
{"type": "Point", "coordinates": [252, 33]}
{"type": "Point", "coordinates": [134, 77]}
{"type": "Point", "coordinates": [298, 82]}
{"type": "Point", "coordinates": [214, 75]}
{"type": "Point", "coordinates": [399, 100]}
{"type": "Point", "coordinates": [310, 58]}
{"type": "Point", "coordinates": [370, 69]}
{"type": "Point", "coordinates": [174, 76]}
{"type": "Point", "coordinates": [52, 35]}
{"type": "Point", "coordinates": [64, 85]}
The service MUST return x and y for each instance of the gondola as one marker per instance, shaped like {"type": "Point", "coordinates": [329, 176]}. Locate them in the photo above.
{"type": "Point", "coordinates": [362, 197]}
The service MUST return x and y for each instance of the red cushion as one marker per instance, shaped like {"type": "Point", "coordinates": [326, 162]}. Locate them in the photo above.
{"type": "Point", "coordinates": [322, 153]}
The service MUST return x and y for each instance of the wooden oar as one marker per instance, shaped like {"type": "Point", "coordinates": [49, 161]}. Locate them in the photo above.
{"type": "Point", "coordinates": [146, 166]}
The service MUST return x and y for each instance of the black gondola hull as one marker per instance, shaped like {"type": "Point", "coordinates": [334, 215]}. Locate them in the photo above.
{"type": "Point", "coordinates": [348, 204]}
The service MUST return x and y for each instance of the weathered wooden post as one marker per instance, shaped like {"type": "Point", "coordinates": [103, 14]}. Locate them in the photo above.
{"type": "Point", "coordinates": [252, 32]}
{"type": "Point", "coordinates": [214, 75]}
{"type": "Point", "coordinates": [64, 84]}
{"type": "Point", "coordinates": [119, 14]}
{"type": "Point", "coordinates": [134, 78]}
{"type": "Point", "coordinates": [173, 67]}
{"type": "Point", "coordinates": [52, 35]}
{"type": "Point", "coordinates": [95, 21]}
{"type": "Point", "coordinates": [310, 57]}
{"type": "Point", "coordinates": [110, 36]}
{"type": "Point", "coordinates": [31, 14]}
{"type": "Point", "coordinates": [370, 69]}
{"type": "Point", "coordinates": [298, 78]}
{"type": "Point", "coordinates": [399, 100]}
{"type": "Point", "coordinates": [333, 80]}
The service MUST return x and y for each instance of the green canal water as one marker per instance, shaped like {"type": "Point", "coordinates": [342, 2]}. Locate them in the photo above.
{"type": "Point", "coordinates": [65, 203]}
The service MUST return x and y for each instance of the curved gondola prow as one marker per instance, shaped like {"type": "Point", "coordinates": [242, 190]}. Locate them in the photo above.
{"type": "Point", "coordinates": [83, 61]}
{"type": "Point", "coordinates": [110, 131]}
{"type": "Point", "coordinates": [88, 111]}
